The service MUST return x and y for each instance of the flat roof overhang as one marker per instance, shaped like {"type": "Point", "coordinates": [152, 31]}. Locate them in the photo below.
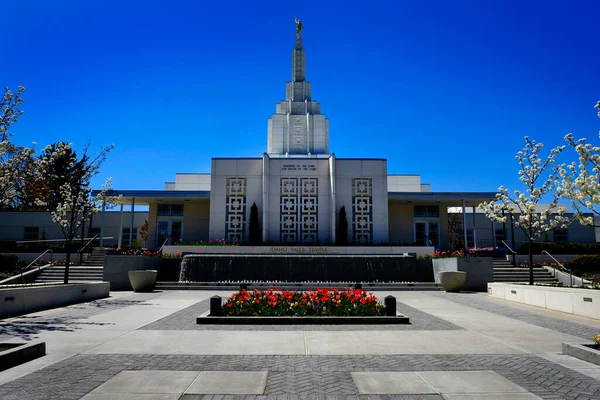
{"type": "Point", "coordinates": [159, 196]}
{"type": "Point", "coordinates": [451, 199]}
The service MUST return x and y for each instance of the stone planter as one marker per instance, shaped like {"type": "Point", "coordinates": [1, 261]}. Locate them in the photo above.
{"type": "Point", "coordinates": [142, 281]}
{"type": "Point", "coordinates": [480, 271]}
{"type": "Point", "coordinates": [452, 281]}
{"type": "Point", "coordinates": [582, 302]}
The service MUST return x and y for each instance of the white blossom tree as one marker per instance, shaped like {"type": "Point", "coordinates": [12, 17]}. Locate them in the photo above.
{"type": "Point", "coordinates": [71, 203]}
{"type": "Point", "coordinates": [16, 162]}
{"type": "Point", "coordinates": [580, 181]}
{"type": "Point", "coordinates": [540, 178]}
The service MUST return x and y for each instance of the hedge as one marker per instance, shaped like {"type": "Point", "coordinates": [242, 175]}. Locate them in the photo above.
{"type": "Point", "coordinates": [8, 263]}
{"type": "Point", "coordinates": [560, 248]}
{"type": "Point", "coordinates": [585, 264]}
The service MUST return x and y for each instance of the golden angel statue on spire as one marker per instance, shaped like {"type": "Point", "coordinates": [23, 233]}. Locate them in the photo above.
{"type": "Point", "coordinates": [298, 27]}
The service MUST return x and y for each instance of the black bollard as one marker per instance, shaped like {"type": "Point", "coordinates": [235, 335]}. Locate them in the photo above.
{"type": "Point", "coordinates": [390, 306]}
{"type": "Point", "coordinates": [243, 286]}
{"type": "Point", "coordinates": [215, 307]}
{"type": "Point", "coordinates": [358, 286]}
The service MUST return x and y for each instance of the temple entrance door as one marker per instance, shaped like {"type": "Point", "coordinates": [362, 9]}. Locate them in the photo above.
{"type": "Point", "coordinates": [168, 228]}
{"type": "Point", "coordinates": [427, 233]}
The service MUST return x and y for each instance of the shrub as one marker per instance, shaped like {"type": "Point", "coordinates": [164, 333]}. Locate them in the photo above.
{"type": "Point", "coordinates": [8, 263]}
{"type": "Point", "coordinates": [585, 264]}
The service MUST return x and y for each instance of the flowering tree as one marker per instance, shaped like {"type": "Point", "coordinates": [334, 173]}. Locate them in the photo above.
{"type": "Point", "coordinates": [540, 178]}
{"type": "Point", "coordinates": [71, 203]}
{"type": "Point", "coordinates": [581, 181]}
{"type": "Point", "coordinates": [15, 161]}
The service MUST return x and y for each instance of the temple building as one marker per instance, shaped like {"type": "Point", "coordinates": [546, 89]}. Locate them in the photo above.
{"type": "Point", "coordinates": [299, 187]}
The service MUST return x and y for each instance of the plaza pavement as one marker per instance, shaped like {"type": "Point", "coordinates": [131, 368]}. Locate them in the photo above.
{"type": "Point", "coordinates": [147, 346]}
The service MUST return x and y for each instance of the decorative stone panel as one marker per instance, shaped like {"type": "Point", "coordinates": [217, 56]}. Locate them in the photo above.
{"type": "Point", "coordinates": [362, 210]}
{"type": "Point", "coordinates": [298, 212]}
{"type": "Point", "coordinates": [309, 210]}
{"type": "Point", "coordinates": [288, 211]}
{"type": "Point", "coordinates": [235, 210]}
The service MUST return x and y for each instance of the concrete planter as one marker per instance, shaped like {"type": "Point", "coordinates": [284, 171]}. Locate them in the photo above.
{"type": "Point", "coordinates": [452, 281]}
{"type": "Point", "coordinates": [583, 302]}
{"type": "Point", "coordinates": [20, 353]}
{"type": "Point", "coordinates": [25, 300]}
{"type": "Point", "coordinates": [480, 271]}
{"type": "Point", "coordinates": [116, 269]}
{"type": "Point", "coordinates": [582, 352]}
{"type": "Point", "coordinates": [142, 281]}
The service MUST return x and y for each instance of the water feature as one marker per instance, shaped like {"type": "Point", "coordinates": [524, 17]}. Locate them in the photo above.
{"type": "Point", "coordinates": [302, 268]}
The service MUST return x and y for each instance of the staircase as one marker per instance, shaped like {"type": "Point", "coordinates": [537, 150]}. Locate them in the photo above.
{"type": "Point", "coordinates": [90, 270]}
{"type": "Point", "coordinates": [505, 272]}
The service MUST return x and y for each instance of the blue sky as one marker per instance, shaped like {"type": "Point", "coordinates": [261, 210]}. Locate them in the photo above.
{"type": "Point", "coordinates": [442, 89]}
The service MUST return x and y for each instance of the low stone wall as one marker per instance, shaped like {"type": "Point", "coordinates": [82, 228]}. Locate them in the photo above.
{"type": "Point", "coordinates": [117, 267]}
{"type": "Point", "coordinates": [307, 250]}
{"type": "Point", "coordinates": [480, 271]}
{"type": "Point", "coordinates": [24, 300]}
{"type": "Point", "coordinates": [583, 302]}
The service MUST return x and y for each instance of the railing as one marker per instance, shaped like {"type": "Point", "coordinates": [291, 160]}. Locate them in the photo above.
{"type": "Point", "coordinates": [34, 261]}
{"type": "Point", "coordinates": [514, 253]}
{"type": "Point", "coordinates": [83, 248]}
{"type": "Point", "coordinates": [163, 245]}
{"type": "Point", "coordinates": [562, 266]}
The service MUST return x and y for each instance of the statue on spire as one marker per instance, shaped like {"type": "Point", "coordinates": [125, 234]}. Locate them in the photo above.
{"type": "Point", "coordinates": [298, 27]}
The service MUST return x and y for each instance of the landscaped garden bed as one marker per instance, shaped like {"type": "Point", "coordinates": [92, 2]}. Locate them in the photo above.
{"type": "Point", "coordinates": [320, 306]}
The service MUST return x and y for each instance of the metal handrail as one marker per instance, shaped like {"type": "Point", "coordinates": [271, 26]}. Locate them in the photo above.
{"type": "Point", "coordinates": [163, 245]}
{"type": "Point", "coordinates": [33, 262]}
{"type": "Point", "coordinates": [513, 252]}
{"type": "Point", "coordinates": [88, 243]}
{"type": "Point", "coordinates": [83, 248]}
{"type": "Point", "coordinates": [508, 247]}
{"type": "Point", "coordinates": [562, 266]}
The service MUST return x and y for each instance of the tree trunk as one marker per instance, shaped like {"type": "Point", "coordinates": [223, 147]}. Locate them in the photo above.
{"type": "Point", "coordinates": [67, 261]}
{"type": "Point", "coordinates": [530, 263]}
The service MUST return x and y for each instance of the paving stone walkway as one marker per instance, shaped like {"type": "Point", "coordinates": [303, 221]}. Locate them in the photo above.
{"type": "Point", "coordinates": [483, 303]}
{"type": "Point", "coordinates": [186, 320]}
{"type": "Point", "coordinates": [90, 373]}
{"type": "Point", "coordinates": [301, 376]}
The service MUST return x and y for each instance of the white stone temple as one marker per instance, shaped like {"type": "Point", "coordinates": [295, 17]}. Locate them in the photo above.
{"type": "Point", "coordinates": [299, 187]}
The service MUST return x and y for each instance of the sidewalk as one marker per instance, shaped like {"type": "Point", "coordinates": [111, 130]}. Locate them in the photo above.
{"type": "Point", "coordinates": [147, 346]}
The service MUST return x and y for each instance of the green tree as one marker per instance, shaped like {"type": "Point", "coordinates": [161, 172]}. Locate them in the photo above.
{"type": "Point", "coordinates": [342, 234]}
{"type": "Point", "coordinates": [254, 228]}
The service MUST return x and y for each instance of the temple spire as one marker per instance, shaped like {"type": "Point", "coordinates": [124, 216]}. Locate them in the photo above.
{"type": "Point", "coordinates": [298, 63]}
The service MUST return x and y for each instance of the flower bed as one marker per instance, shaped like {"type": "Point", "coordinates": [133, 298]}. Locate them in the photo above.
{"type": "Point", "coordinates": [218, 242]}
{"type": "Point", "coordinates": [319, 302]}
{"type": "Point", "coordinates": [446, 254]}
